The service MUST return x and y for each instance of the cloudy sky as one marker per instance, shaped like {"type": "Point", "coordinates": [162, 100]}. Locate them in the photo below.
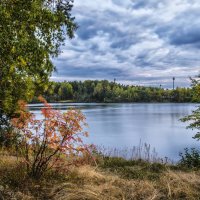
{"type": "Point", "coordinates": [142, 42]}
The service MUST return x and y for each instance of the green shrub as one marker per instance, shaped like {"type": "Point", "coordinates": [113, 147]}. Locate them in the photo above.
{"type": "Point", "coordinates": [9, 137]}
{"type": "Point", "coordinates": [190, 158]}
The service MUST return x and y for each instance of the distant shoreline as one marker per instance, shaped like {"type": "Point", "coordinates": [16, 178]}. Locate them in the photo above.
{"type": "Point", "coordinates": [116, 102]}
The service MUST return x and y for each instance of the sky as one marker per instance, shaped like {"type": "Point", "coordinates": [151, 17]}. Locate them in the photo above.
{"type": "Point", "coordinates": [138, 42]}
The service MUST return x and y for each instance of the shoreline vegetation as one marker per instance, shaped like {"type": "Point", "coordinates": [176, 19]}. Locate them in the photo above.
{"type": "Point", "coordinates": [71, 101]}
{"type": "Point", "coordinates": [108, 178]}
{"type": "Point", "coordinates": [111, 92]}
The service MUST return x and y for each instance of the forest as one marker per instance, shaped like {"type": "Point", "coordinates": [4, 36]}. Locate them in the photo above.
{"type": "Point", "coordinates": [108, 92]}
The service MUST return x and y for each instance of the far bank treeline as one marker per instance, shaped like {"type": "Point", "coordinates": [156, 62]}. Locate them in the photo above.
{"type": "Point", "coordinates": [105, 91]}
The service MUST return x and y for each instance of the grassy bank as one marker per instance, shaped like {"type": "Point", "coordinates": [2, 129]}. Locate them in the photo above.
{"type": "Point", "coordinates": [112, 179]}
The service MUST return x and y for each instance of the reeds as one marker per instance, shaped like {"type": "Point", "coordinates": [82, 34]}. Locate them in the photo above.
{"type": "Point", "coordinates": [143, 151]}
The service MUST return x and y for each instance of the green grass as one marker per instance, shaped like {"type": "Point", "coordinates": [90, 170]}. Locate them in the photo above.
{"type": "Point", "coordinates": [133, 169]}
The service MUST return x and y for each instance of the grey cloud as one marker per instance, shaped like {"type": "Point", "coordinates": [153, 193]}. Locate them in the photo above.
{"type": "Point", "coordinates": [141, 41]}
{"type": "Point", "coordinates": [186, 35]}
{"type": "Point", "coordinates": [124, 42]}
{"type": "Point", "coordinates": [183, 30]}
{"type": "Point", "coordinates": [91, 28]}
{"type": "Point", "coordinates": [87, 29]}
{"type": "Point", "coordinates": [141, 4]}
{"type": "Point", "coordinates": [101, 72]}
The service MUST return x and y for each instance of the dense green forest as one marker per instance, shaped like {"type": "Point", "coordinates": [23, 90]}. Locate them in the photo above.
{"type": "Point", "coordinates": [105, 91]}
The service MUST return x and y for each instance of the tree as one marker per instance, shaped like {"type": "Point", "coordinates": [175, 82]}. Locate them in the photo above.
{"type": "Point", "coordinates": [66, 91]}
{"type": "Point", "coordinates": [31, 33]}
{"type": "Point", "coordinates": [98, 91]}
{"type": "Point", "coordinates": [194, 118]}
{"type": "Point", "coordinates": [196, 89]}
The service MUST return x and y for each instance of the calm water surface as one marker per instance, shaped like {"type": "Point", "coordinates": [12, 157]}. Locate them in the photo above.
{"type": "Point", "coordinates": [124, 125]}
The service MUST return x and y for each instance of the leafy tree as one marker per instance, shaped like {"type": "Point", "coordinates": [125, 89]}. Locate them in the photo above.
{"type": "Point", "coordinates": [194, 118]}
{"type": "Point", "coordinates": [98, 91]}
{"type": "Point", "coordinates": [196, 89]}
{"type": "Point", "coordinates": [65, 91]}
{"type": "Point", "coordinates": [31, 33]}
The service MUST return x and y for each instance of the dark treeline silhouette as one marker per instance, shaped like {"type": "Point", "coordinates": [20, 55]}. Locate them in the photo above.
{"type": "Point", "coordinates": [105, 91]}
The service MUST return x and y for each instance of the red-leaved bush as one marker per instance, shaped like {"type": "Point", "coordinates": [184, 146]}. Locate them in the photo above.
{"type": "Point", "coordinates": [46, 141]}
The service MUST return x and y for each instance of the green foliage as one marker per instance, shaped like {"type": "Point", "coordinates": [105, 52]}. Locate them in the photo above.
{"type": "Point", "coordinates": [190, 158]}
{"type": "Point", "coordinates": [105, 91]}
{"type": "Point", "coordinates": [31, 32]}
{"type": "Point", "coordinates": [9, 137]}
{"type": "Point", "coordinates": [133, 169]}
{"type": "Point", "coordinates": [112, 162]}
{"type": "Point", "coordinates": [194, 118]}
{"type": "Point", "coordinates": [65, 91]}
{"type": "Point", "coordinates": [196, 89]}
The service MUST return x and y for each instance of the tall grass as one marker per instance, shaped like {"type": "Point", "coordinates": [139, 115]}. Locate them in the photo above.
{"type": "Point", "coordinates": [143, 151]}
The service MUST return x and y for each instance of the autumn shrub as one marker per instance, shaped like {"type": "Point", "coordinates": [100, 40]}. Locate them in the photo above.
{"type": "Point", "coordinates": [51, 141]}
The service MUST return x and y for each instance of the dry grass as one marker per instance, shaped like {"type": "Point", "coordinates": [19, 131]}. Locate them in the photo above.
{"type": "Point", "coordinates": [181, 185]}
{"type": "Point", "coordinates": [6, 161]}
{"type": "Point", "coordinates": [91, 183]}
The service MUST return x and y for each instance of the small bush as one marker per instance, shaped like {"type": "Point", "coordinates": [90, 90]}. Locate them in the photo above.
{"type": "Point", "coordinates": [190, 158]}
{"type": "Point", "coordinates": [51, 141]}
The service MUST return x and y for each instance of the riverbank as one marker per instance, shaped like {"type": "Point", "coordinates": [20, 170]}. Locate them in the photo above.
{"type": "Point", "coordinates": [112, 179]}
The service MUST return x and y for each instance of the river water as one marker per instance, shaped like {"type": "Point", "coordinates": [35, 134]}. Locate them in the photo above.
{"type": "Point", "coordinates": [126, 125]}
